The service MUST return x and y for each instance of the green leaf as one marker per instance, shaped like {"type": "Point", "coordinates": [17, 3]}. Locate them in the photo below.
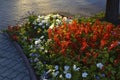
{"type": "Point", "coordinates": [111, 59]}
{"type": "Point", "coordinates": [93, 68]}
{"type": "Point", "coordinates": [107, 55]}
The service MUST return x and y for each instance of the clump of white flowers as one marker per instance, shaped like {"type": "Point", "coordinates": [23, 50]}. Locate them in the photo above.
{"type": "Point", "coordinates": [84, 74]}
{"type": "Point", "coordinates": [50, 21]}
{"type": "Point", "coordinates": [99, 65]}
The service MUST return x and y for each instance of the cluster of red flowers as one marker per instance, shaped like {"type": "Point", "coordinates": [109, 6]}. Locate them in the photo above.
{"type": "Point", "coordinates": [84, 40]}
{"type": "Point", "coordinates": [13, 30]}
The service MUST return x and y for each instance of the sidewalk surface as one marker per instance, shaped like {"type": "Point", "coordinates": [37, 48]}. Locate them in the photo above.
{"type": "Point", "coordinates": [12, 66]}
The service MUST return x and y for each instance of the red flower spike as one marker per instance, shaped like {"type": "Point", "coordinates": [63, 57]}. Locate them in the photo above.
{"type": "Point", "coordinates": [84, 46]}
{"type": "Point", "coordinates": [116, 61]}
{"type": "Point", "coordinates": [10, 28]}
{"type": "Point", "coordinates": [92, 45]}
{"type": "Point", "coordinates": [16, 28]}
{"type": "Point", "coordinates": [67, 36]}
{"type": "Point", "coordinates": [84, 60]}
{"type": "Point", "coordinates": [106, 36]}
{"type": "Point", "coordinates": [95, 55]}
{"type": "Point", "coordinates": [63, 52]}
{"type": "Point", "coordinates": [57, 40]}
{"type": "Point", "coordinates": [103, 43]}
{"type": "Point", "coordinates": [64, 44]}
{"type": "Point", "coordinates": [94, 38]}
{"type": "Point", "coordinates": [109, 27]}
{"type": "Point", "coordinates": [88, 54]}
{"type": "Point", "coordinates": [113, 45]}
{"type": "Point", "coordinates": [50, 33]}
{"type": "Point", "coordinates": [15, 37]}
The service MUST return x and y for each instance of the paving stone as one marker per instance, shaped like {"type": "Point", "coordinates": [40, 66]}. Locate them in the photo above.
{"type": "Point", "coordinates": [19, 76]}
{"type": "Point", "coordinates": [19, 67]}
{"type": "Point", "coordinates": [2, 60]}
{"type": "Point", "coordinates": [6, 78]}
{"type": "Point", "coordinates": [12, 64]}
{"type": "Point", "coordinates": [3, 69]}
{"type": "Point", "coordinates": [1, 78]}
{"type": "Point", "coordinates": [7, 72]}
{"type": "Point", "coordinates": [26, 78]}
{"type": "Point", "coordinates": [6, 62]}
{"type": "Point", "coordinates": [14, 74]}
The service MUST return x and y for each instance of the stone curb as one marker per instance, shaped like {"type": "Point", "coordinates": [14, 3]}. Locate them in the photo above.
{"type": "Point", "coordinates": [19, 49]}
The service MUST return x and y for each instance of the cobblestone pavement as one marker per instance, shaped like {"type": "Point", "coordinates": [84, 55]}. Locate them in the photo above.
{"type": "Point", "coordinates": [12, 66]}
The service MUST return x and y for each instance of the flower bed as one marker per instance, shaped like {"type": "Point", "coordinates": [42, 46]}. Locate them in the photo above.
{"type": "Point", "coordinates": [61, 48]}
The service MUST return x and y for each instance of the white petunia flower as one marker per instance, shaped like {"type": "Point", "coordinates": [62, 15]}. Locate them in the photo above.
{"type": "Point", "coordinates": [39, 16]}
{"type": "Point", "coordinates": [61, 76]}
{"type": "Point", "coordinates": [38, 19]}
{"type": "Point", "coordinates": [37, 42]}
{"type": "Point", "coordinates": [41, 37]}
{"type": "Point", "coordinates": [46, 51]}
{"type": "Point", "coordinates": [55, 73]}
{"type": "Point", "coordinates": [40, 24]}
{"type": "Point", "coordinates": [43, 27]}
{"type": "Point", "coordinates": [99, 65]}
{"type": "Point", "coordinates": [58, 21]}
{"type": "Point", "coordinates": [43, 21]}
{"type": "Point", "coordinates": [47, 24]}
{"type": "Point", "coordinates": [47, 17]}
{"type": "Point", "coordinates": [84, 75]}
{"type": "Point", "coordinates": [34, 23]}
{"type": "Point", "coordinates": [66, 68]}
{"type": "Point", "coordinates": [52, 26]}
{"type": "Point", "coordinates": [75, 68]}
{"type": "Point", "coordinates": [42, 17]}
{"type": "Point", "coordinates": [35, 27]}
{"type": "Point", "coordinates": [68, 75]}
{"type": "Point", "coordinates": [65, 19]}
{"type": "Point", "coordinates": [54, 16]}
{"type": "Point", "coordinates": [36, 60]}
{"type": "Point", "coordinates": [56, 67]}
{"type": "Point", "coordinates": [48, 71]}
{"type": "Point", "coordinates": [31, 46]}
{"type": "Point", "coordinates": [42, 48]}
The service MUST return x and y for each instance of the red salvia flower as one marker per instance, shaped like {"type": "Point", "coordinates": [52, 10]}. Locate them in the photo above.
{"type": "Point", "coordinates": [113, 45]}
{"type": "Point", "coordinates": [56, 39]}
{"type": "Point", "coordinates": [10, 28]}
{"type": "Point", "coordinates": [84, 60]}
{"type": "Point", "coordinates": [109, 27]}
{"type": "Point", "coordinates": [15, 37]}
{"type": "Point", "coordinates": [94, 38]}
{"type": "Point", "coordinates": [103, 43]}
{"type": "Point", "coordinates": [95, 55]}
{"type": "Point", "coordinates": [106, 36]}
{"type": "Point", "coordinates": [88, 54]}
{"type": "Point", "coordinates": [84, 46]}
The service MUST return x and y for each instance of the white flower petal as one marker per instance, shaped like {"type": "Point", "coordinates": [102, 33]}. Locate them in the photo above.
{"type": "Point", "coordinates": [99, 65]}
{"type": "Point", "coordinates": [68, 75]}
{"type": "Point", "coordinates": [66, 68]}
{"type": "Point", "coordinates": [52, 26]}
{"type": "Point", "coordinates": [56, 67]}
{"type": "Point", "coordinates": [84, 75]}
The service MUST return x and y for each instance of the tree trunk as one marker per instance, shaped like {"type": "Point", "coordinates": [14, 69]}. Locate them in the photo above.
{"type": "Point", "coordinates": [112, 10]}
